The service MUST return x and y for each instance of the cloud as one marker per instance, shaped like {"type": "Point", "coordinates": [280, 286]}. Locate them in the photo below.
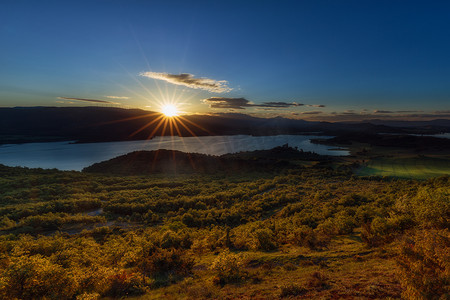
{"type": "Point", "coordinates": [311, 112]}
{"type": "Point", "coordinates": [221, 102]}
{"type": "Point", "coordinates": [383, 112]}
{"type": "Point", "coordinates": [280, 104]}
{"type": "Point", "coordinates": [316, 105]}
{"type": "Point", "coordinates": [242, 103]}
{"type": "Point", "coordinates": [367, 117]}
{"type": "Point", "coordinates": [408, 111]}
{"type": "Point", "coordinates": [266, 109]}
{"type": "Point", "coordinates": [117, 97]}
{"type": "Point", "coordinates": [396, 111]}
{"type": "Point", "coordinates": [185, 79]}
{"type": "Point", "coordinates": [87, 100]}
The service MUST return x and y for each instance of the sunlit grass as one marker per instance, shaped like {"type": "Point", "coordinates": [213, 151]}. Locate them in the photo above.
{"type": "Point", "coordinates": [412, 167]}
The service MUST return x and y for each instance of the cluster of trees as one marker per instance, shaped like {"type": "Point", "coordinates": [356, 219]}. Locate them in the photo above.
{"type": "Point", "coordinates": [143, 232]}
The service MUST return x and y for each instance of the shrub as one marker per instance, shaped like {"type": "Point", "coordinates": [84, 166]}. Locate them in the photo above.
{"type": "Point", "coordinates": [123, 283]}
{"type": "Point", "coordinates": [424, 262]}
{"type": "Point", "coordinates": [376, 232]}
{"type": "Point", "coordinates": [303, 236]}
{"type": "Point", "coordinates": [166, 263]}
{"type": "Point", "coordinates": [228, 268]}
{"type": "Point", "coordinates": [255, 236]}
{"type": "Point", "coordinates": [170, 239]}
{"type": "Point", "coordinates": [431, 207]}
{"type": "Point", "coordinates": [341, 223]}
{"type": "Point", "coordinates": [318, 280]}
{"type": "Point", "coordinates": [264, 240]}
{"type": "Point", "coordinates": [32, 277]}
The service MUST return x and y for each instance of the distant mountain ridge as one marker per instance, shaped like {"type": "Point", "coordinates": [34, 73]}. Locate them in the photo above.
{"type": "Point", "coordinates": [100, 124]}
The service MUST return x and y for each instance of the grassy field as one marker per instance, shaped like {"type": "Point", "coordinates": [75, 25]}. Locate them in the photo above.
{"type": "Point", "coordinates": [408, 167]}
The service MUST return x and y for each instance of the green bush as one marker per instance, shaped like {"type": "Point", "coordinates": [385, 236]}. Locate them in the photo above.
{"type": "Point", "coordinates": [424, 262]}
{"type": "Point", "coordinates": [264, 239]}
{"type": "Point", "coordinates": [124, 283]}
{"type": "Point", "coordinates": [165, 262]}
{"type": "Point", "coordinates": [228, 268]}
{"type": "Point", "coordinates": [34, 277]}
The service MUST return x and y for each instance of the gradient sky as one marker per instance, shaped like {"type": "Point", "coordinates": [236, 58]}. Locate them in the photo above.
{"type": "Point", "coordinates": [340, 59]}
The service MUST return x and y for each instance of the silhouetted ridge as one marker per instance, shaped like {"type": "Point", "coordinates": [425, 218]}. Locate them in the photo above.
{"type": "Point", "coordinates": [173, 161]}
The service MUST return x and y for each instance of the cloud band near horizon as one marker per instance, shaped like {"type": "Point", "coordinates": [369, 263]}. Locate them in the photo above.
{"type": "Point", "coordinates": [242, 103]}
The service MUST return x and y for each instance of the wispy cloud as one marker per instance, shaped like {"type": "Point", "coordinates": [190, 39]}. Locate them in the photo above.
{"type": "Point", "coordinates": [316, 105]}
{"type": "Point", "coordinates": [117, 97]}
{"type": "Point", "coordinates": [87, 100]}
{"type": "Point", "coordinates": [242, 103]}
{"type": "Point", "coordinates": [185, 79]}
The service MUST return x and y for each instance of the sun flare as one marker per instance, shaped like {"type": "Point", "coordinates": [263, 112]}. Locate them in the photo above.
{"type": "Point", "coordinates": [169, 110]}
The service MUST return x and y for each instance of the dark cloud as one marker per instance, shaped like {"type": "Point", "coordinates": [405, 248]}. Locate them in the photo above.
{"type": "Point", "coordinates": [279, 104]}
{"type": "Point", "coordinates": [242, 103]}
{"type": "Point", "coordinates": [383, 112]}
{"type": "Point", "coordinates": [311, 112]}
{"type": "Point", "coordinates": [185, 79]}
{"type": "Point", "coordinates": [221, 102]}
{"type": "Point", "coordinates": [87, 100]}
{"type": "Point", "coordinates": [395, 112]}
{"type": "Point", "coordinates": [316, 105]}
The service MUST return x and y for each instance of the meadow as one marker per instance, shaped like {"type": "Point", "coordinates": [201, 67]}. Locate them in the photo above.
{"type": "Point", "coordinates": [307, 231]}
{"type": "Point", "coordinates": [417, 167]}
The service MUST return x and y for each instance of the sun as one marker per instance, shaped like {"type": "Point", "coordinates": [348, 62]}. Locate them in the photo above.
{"type": "Point", "coordinates": [169, 110]}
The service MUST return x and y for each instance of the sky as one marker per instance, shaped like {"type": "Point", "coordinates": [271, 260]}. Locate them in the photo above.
{"type": "Point", "coordinates": [314, 60]}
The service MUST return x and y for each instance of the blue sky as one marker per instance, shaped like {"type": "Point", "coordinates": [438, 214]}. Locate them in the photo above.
{"type": "Point", "coordinates": [302, 59]}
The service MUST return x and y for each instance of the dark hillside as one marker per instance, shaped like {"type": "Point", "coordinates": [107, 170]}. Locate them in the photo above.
{"type": "Point", "coordinates": [172, 161]}
{"type": "Point", "coordinates": [402, 141]}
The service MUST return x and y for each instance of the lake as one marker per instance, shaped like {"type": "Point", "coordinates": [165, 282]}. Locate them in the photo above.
{"type": "Point", "coordinates": [70, 156]}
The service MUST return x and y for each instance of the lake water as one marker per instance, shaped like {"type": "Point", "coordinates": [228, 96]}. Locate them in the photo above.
{"type": "Point", "coordinates": [69, 156]}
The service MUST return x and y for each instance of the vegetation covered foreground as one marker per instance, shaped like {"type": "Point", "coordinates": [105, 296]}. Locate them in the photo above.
{"type": "Point", "coordinates": [309, 231]}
